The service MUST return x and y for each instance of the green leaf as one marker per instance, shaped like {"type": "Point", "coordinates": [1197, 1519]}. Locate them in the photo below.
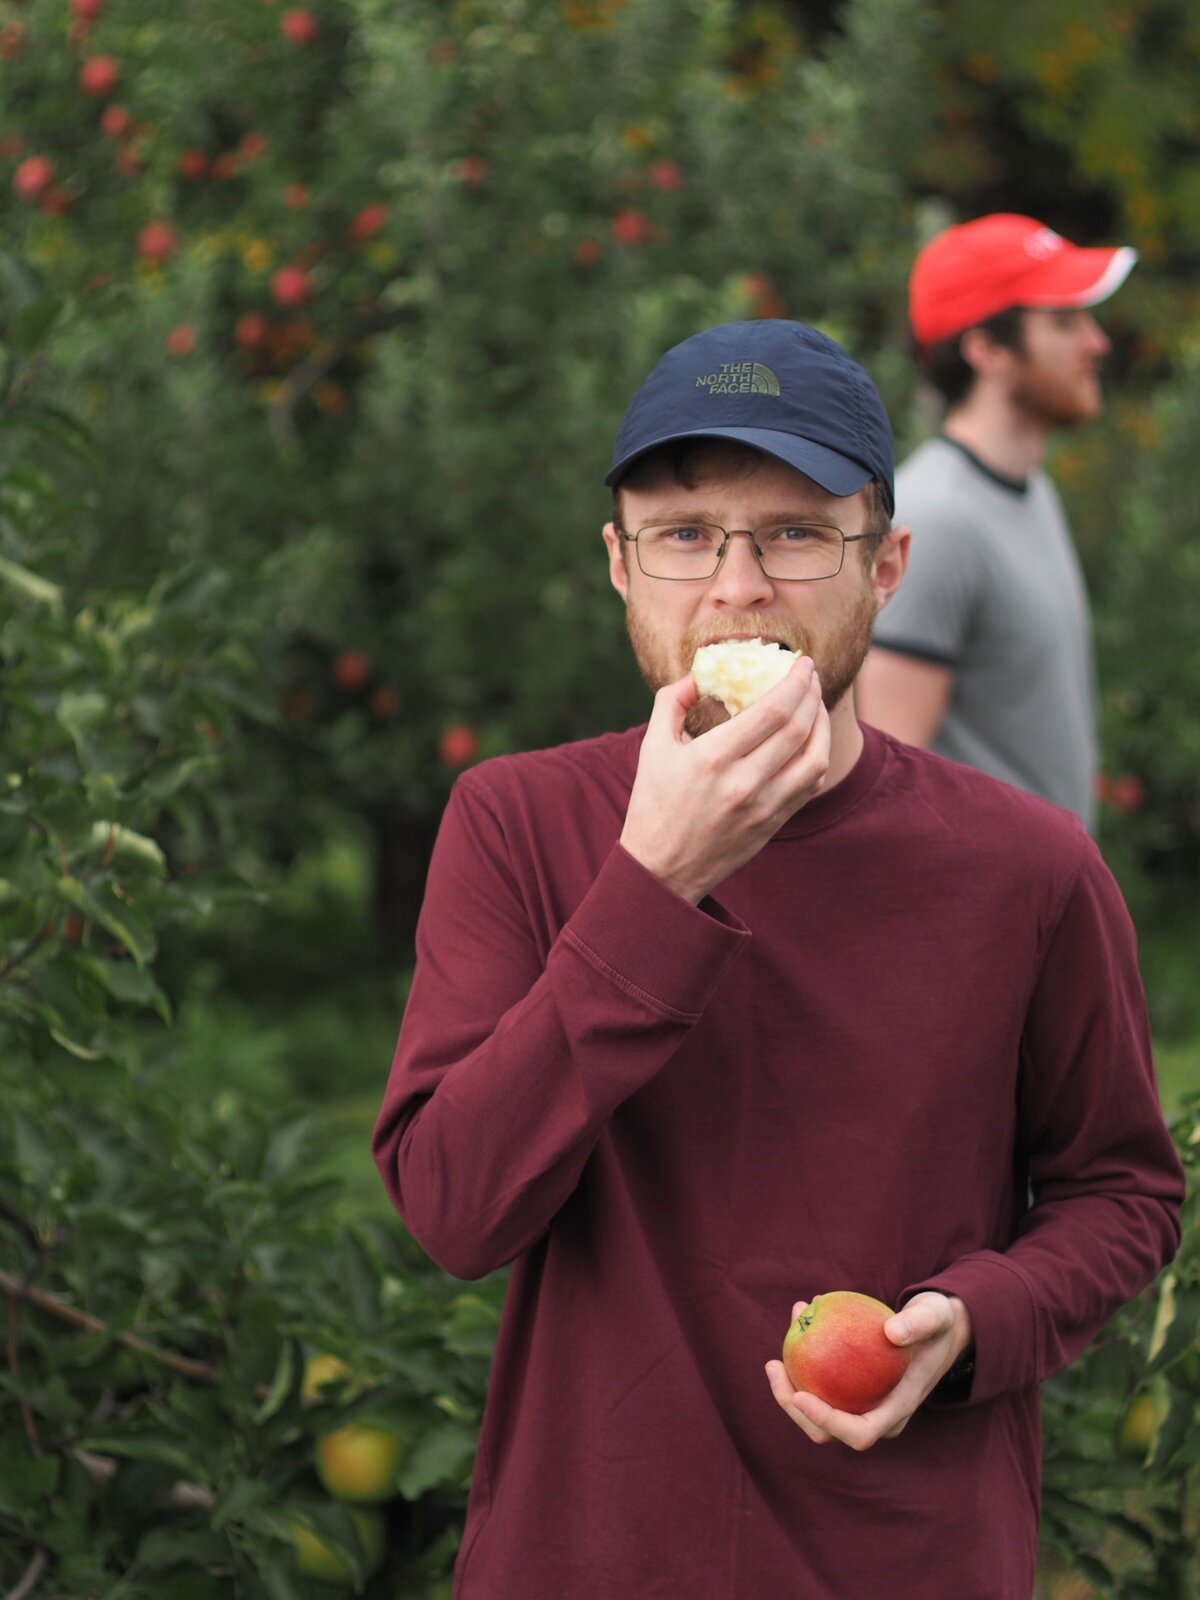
{"type": "Point", "coordinates": [131, 985]}
{"type": "Point", "coordinates": [163, 1548]}
{"type": "Point", "coordinates": [281, 1383]}
{"type": "Point", "coordinates": [32, 325]}
{"type": "Point", "coordinates": [124, 842]}
{"type": "Point", "coordinates": [1175, 1324]}
{"type": "Point", "coordinates": [29, 584]}
{"type": "Point", "coordinates": [443, 1456]}
{"type": "Point", "coordinates": [57, 424]}
{"type": "Point", "coordinates": [82, 710]}
{"type": "Point", "coordinates": [160, 1448]}
{"type": "Point", "coordinates": [114, 914]}
{"type": "Point", "coordinates": [360, 1280]}
{"type": "Point", "coordinates": [245, 1495]}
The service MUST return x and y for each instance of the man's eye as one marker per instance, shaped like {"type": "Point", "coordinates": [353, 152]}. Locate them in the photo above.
{"type": "Point", "coordinates": [690, 535]}
{"type": "Point", "coordinates": [800, 533]}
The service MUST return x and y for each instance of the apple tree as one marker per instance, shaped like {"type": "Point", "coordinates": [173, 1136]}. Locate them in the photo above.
{"type": "Point", "coordinates": [171, 1262]}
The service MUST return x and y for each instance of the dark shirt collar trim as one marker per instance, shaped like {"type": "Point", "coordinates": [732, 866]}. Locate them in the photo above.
{"type": "Point", "coordinates": [1013, 485]}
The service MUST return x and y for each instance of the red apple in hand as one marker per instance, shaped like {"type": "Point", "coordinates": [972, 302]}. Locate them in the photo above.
{"type": "Point", "coordinates": [837, 1349]}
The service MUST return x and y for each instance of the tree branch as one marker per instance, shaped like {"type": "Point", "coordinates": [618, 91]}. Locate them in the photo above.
{"type": "Point", "coordinates": [202, 1371]}
{"type": "Point", "coordinates": [30, 1577]}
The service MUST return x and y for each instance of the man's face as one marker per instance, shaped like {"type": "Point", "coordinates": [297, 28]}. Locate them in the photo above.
{"type": "Point", "coordinates": [1056, 374]}
{"type": "Point", "coordinates": [668, 620]}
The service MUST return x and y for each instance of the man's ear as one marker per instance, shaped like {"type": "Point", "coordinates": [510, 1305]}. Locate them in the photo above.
{"type": "Point", "coordinates": [888, 567]}
{"type": "Point", "coordinates": [984, 355]}
{"type": "Point", "coordinates": [618, 572]}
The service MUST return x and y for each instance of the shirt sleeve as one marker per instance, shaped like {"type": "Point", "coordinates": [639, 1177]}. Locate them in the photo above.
{"type": "Point", "coordinates": [1105, 1181]}
{"type": "Point", "coordinates": [510, 1062]}
{"type": "Point", "coordinates": [931, 614]}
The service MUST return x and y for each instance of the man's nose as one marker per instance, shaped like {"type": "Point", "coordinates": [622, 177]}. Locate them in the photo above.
{"type": "Point", "coordinates": [1098, 340]}
{"type": "Point", "coordinates": [740, 579]}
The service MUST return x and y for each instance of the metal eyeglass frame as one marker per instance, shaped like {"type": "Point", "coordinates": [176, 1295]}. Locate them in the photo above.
{"type": "Point", "coordinates": [729, 533]}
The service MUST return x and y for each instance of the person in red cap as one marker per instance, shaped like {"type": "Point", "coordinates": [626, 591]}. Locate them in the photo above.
{"type": "Point", "coordinates": [984, 655]}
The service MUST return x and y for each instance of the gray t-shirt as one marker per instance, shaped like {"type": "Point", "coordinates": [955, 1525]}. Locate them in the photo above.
{"type": "Point", "coordinates": [994, 591]}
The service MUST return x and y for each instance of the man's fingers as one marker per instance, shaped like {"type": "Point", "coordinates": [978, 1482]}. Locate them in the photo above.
{"type": "Point", "coordinates": [752, 728]}
{"type": "Point", "coordinates": [789, 1401]}
{"type": "Point", "coordinates": [926, 1316]}
{"type": "Point", "coordinates": [672, 704]}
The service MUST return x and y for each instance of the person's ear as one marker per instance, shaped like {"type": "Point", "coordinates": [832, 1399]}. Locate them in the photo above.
{"type": "Point", "coordinates": [887, 569]}
{"type": "Point", "coordinates": [983, 354]}
{"type": "Point", "coordinates": [618, 571]}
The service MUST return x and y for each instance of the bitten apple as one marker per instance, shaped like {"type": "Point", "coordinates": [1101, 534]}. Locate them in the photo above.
{"type": "Point", "coordinates": [837, 1349]}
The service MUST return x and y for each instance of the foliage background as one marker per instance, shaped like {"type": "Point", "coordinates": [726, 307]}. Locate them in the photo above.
{"type": "Point", "coordinates": [316, 328]}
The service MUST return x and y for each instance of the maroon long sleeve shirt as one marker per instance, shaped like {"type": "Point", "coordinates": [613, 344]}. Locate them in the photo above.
{"type": "Point", "coordinates": [904, 1047]}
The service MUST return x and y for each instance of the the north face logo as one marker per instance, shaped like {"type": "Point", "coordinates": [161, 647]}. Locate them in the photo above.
{"type": "Point", "coordinates": [740, 377]}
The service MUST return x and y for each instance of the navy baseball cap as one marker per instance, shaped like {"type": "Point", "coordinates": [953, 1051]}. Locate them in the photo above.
{"type": "Point", "coordinates": [782, 387]}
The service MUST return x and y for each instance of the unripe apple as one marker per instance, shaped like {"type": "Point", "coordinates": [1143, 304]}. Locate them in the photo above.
{"type": "Point", "coordinates": [359, 1462]}
{"type": "Point", "coordinates": [320, 1370]}
{"type": "Point", "coordinates": [837, 1350]}
{"type": "Point", "coordinates": [33, 177]}
{"type": "Point", "coordinates": [98, 75]}
{"type": "Point", "coordinates": [317, 1559]}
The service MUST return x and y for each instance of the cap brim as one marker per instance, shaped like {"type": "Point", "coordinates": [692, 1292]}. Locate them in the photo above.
{"type": "Point", "coordinates": [835, 473]}
{"type": "Point", "coordinates": [1082, 277]}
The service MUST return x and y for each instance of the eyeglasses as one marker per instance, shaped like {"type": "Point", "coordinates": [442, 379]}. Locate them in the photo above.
{"type": "Point", "coordinates": [799, 552]}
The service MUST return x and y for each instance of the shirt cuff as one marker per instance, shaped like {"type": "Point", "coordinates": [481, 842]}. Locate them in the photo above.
{"type": "Point", "coordinates": [1004, 1320]}
{"type": "Point", "coordinates": [652, 942]}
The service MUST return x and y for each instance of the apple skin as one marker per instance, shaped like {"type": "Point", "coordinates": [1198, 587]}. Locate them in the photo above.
{"type": "Point", "coordinates": [316, 1559]}
{"type": "Point", "coordinates": [359, 1462]}
{"type": "Point", "coordinates": [837, 1350]}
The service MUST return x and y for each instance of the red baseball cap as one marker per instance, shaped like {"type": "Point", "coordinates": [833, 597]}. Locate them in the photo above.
{"type": "Point", "coordinates": [970, 272]}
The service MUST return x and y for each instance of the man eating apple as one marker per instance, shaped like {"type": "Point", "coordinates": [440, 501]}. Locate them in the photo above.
{"type": "Point", "coordinates": [722, 1013]}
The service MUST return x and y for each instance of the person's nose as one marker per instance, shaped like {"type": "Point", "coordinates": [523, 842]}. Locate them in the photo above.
{"type": "Point", "coordinates": [740, 579]}
{"type": "Point", "coordinates": [1098, 341]}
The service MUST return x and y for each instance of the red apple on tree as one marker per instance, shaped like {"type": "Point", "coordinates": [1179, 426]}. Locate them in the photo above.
{"type": "Point", "coordinates": [250, 330]}
{"type": "Point", "coordinates": [33, 177]}
{"type": "Point", "coordinates": [157, 241]}
{"type": "Point", "coordinates": [98, 75]}
{"type": "Point", "coordinates": [837, 1350]}
{"type": "Point", "coordinates": [181, 340]}
{"type": "Point", "coordinates": [631, 228]}
{"type": "Point", "coordinates": [193, 164]}
{"type": "Point", "coordinates": [351, 670]}
{"type": "Point", "coordinates": [459, 745]}
{"type": "Point", "coordinates": [116, 121]}
{"type": "Point", "coordinates": [299, 26]}
{"type": "Point", "coordinates": [87, 10]}
{"type": "Point", "coordinates": [367, 223]}
{"type": "Point", "coordinates": [291, 286]}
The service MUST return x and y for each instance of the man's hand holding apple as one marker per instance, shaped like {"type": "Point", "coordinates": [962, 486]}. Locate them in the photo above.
{"type": "Point", "coordinates": [935, 1327]}
{"type": "Point", "coordinates": [701, 808]}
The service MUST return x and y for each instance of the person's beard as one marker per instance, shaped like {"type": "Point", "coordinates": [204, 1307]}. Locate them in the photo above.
{"type": "Point", "coordinates": [838, 659]}
{"type": "Point", "coordinates": [1053, 400]}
